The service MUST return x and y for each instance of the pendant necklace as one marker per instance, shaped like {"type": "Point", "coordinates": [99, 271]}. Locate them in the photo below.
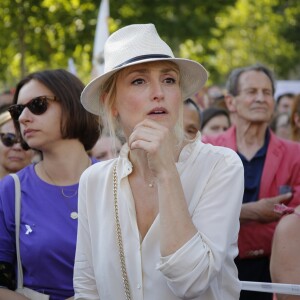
{"type": "Point", "coordinates": [151, 185]}
{"type": "Point", "coordinates": [65, 193]}
{"type": "Point", "coordinates": [149, 182]}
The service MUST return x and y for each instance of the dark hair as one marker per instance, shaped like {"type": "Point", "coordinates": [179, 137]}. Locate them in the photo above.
{"type": "Point", "coordinates": [232, 84]}
{"type": "Point", "coordinates": [193, 103]}
{"type": "Point", "coordinates": [289, 95]}
{"type": "Point", "coordinates": [211, 112]}
{"type": "Point", "coordinates": [76, 122]}
{"type": "Point", "coordinates": [4, 107]}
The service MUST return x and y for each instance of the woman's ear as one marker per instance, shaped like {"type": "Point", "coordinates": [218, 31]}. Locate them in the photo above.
{"type": "Point", "coordinates": [114, 111]}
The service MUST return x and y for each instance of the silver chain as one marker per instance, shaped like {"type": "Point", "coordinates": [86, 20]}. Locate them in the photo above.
{"type": "Point", "coordinates": [119, 236]}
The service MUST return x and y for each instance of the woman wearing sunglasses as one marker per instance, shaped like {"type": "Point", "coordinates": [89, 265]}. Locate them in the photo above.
{"type": "Point", "coordinates": [12, 156]}
{"type": "Point", "coordinates": [49, 117]}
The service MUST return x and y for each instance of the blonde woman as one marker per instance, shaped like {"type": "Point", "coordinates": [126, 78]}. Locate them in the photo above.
{"type": "Point", "coordinates": [161, 221]}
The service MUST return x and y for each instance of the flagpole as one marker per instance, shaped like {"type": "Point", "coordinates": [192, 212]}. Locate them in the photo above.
{"type": "Point", "coordinates": [101, 35]}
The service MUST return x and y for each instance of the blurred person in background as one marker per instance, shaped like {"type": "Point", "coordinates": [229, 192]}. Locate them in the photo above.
{"type": "Point", "coordinates": [221, 103]}
{"type": "Point", "coordinates": [281, 125]}
{"type": "Point", "coordinates": [214, 94]}
{"type": "Point", "coordinates": [284, 103]}
{"type": "Point", "coordinates": [269, 162]}
{"type": "Point", "coordinates": [6, 97]}
{"type": "Point", "coordinates": [200, 98]}
{"type": "Point", "coordinates": [12, 156]}
{"type": "Point", "coordinates": [285, 263]}
{"type": "Point", "coordinates": [214, 121]}
{"type": "Point", "coordinates": [295, 119]}
{"type": "Point", "coordinates": [191, 118]}
{"type": "Point", "coordinates": [106, 147]}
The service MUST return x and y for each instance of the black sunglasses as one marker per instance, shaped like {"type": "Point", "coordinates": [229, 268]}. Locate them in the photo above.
{"type": "Point", "coordinates": [8, 139]}
{"type": "Point", "coordinates": [36, 105]}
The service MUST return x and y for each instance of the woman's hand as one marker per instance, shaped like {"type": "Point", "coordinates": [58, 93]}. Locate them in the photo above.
{"type": "Point", "coordinates": [157, 141]}
{"type": "Point", "coordinates": [176, 226]}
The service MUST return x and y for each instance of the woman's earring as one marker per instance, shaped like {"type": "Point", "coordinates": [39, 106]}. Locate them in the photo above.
{"type": "Point", "coordinates": [115, 112]}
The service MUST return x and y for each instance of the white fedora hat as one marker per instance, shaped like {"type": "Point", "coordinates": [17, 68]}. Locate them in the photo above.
{"type": "Point", "coordinates": [135, 44]}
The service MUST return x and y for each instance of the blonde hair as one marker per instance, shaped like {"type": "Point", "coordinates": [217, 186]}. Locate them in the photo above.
{"type": "Point", "coordinates": [4, 117]}
{"type": "Point", "coordinates": [108, 98]}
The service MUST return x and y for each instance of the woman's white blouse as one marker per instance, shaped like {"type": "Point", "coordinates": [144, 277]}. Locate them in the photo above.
{"type": "Point", "coordinates": [213, 183]}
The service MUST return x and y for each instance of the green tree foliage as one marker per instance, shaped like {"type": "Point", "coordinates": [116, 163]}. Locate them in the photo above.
{"type": "Point", "coordinates": [175, 20]}
{"type": "Point", "coordinates": [251, 31]}
{"type": "Point", "coordinates": [39, 34]}
{"type": "Point", "coordinates": [220, 34]}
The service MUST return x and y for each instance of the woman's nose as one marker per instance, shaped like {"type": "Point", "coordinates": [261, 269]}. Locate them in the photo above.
{"type": "Point", "coordinates": [25, 115]}
{"type": "Point", "coordinates": [17, 146]}
{"type": "Point", "coordinates": [157, 91]}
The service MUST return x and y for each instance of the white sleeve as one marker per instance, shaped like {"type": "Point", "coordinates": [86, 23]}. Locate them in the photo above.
{"type": "Point", "coordinates": [84, 279]}
{"type": "Point", "coordinates": [208, 258]}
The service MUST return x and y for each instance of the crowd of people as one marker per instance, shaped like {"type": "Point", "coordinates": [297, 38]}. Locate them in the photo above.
{"type": "Point", "coordinates": [269, 162]}
{"type": "Point", "coordinates": [135, 187]}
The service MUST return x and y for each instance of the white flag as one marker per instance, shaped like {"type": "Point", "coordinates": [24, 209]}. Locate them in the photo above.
{"type": "Point", "coordinates": [71, 66]}
{"type": "Point", "coordinates": [101, 36]}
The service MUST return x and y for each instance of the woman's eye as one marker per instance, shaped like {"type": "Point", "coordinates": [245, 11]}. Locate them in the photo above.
{"type": "Point", "coordinates": [169, 80]}
{"type": "Point", "coordinates": [138, 81]}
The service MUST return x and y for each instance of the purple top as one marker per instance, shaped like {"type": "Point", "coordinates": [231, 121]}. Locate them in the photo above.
{"type": "Point", "coordinates": [47, 232]}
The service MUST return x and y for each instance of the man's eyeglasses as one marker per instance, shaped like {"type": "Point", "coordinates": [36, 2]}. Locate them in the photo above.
{"type": "Point", "coordinates": [8, 139]}
{"type": "Point", "coordinates": [36, 105]}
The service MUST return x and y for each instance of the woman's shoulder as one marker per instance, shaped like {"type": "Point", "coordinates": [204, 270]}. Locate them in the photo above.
{"type": "Point", "coordinates": [288, 226]}
{"type": "Point", "coordinates": [7, 184]}
{"type": "Point", "coordinates": [212, 152]}
{"type": "Point", "coordinates": [99, 168]}
{"type": "Point", "coordinates": [23, 173]}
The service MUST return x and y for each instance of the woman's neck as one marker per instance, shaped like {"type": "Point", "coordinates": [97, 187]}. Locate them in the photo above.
{"type": "Point", "coordinates": [63, 166]}
{"type": "Point", "coordinates": [3, 172]}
